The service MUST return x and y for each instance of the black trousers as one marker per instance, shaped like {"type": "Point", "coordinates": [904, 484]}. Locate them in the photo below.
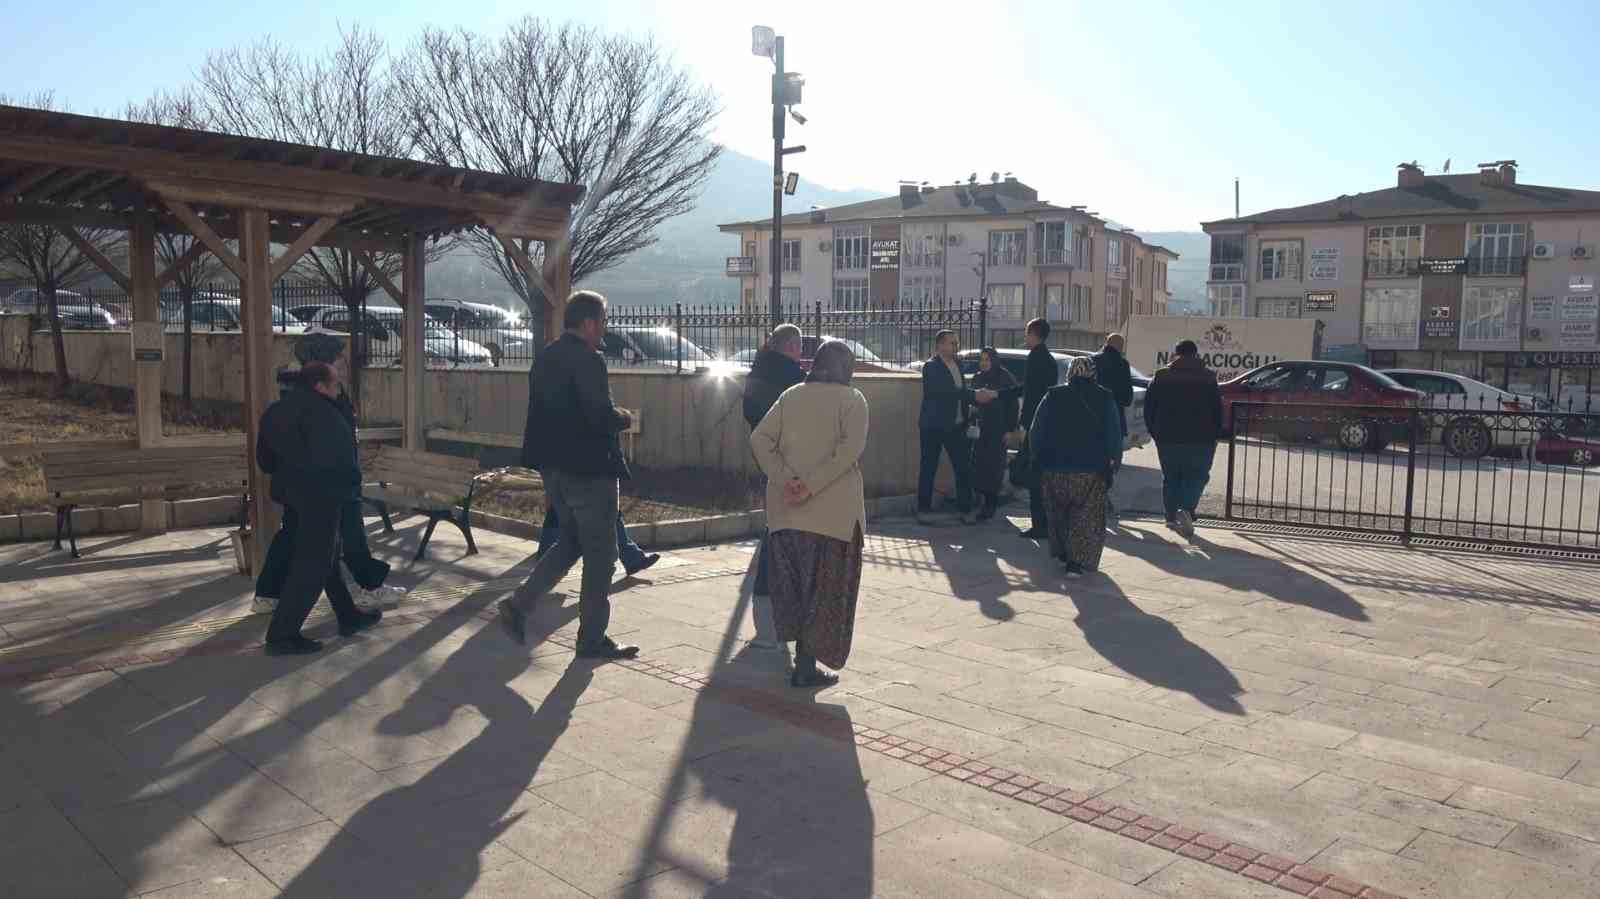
{"type": "Point", "coordinates": [953, 443]}
{"type": "Point", "coordinates": [369, 572]}
{"type": "Point", "coordinates": [312, 534]}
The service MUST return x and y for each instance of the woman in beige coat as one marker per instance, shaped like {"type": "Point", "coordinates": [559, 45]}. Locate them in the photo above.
{"type": "Point", "coordinates": [809, 446]}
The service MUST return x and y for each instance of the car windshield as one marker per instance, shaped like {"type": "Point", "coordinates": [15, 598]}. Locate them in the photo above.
{"type": "Point", "coordinates": [1382, 379]}
{"type": "Point", "coordinates": [662, 345]}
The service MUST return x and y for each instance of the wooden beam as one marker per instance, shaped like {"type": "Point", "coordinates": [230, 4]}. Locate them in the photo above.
{"type": "Point", "coordinates": [204, 233]}
{"type": "Point", "coordinates": [232, 194]}
{"type": "Point", "coordinates": [146, 374]}
{"type": "Point", "coordinates": [94, 255]}
{"type": "Point", "coordinates": [542, 200]}
{"type": "Point", "coordinates": [526, 227]}
{"type": "Point", "coordinates": [413, 275]}
{"type": "Point", "coordinates": [255, 312]}
{"type": "Point", "coordinates": [14, 189]}
{"type": "Point", "coordinates": [94, 187]}
{"type": "Point", "coordinates": [307, 239]}
{"type": "Point", "coordinates": [371, 265]}
{"type": "Point", "coordinates": [529, 270]}
{"type": "Point", "coordinates": [39, 214]}
{"type": "Point", "coordinates": [189, 257]}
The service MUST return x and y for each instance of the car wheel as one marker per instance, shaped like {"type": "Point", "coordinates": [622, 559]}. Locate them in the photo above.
{"type": "Point", "coordinates": [1467, 438]}
{"type": "Point", "coordinates": [1356, 435]}
{"type": "Point", "coordinates": [1582, 456]}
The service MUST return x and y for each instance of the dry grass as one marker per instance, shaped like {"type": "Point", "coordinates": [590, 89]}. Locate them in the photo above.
{"type": "Point", "coordinates": [648, 496]}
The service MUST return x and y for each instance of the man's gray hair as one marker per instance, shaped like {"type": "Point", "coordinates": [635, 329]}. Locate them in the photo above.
{"type": "Point", "coordinates": [835, 363]}
{"type": "Point", "coordinates": [781, 335]}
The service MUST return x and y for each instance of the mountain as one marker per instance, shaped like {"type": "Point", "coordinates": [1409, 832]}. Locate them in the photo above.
{"type": "Point", "coordinates": [1186, 278]}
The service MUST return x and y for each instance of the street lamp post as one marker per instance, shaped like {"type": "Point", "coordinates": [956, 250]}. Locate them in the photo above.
{"type": "Point", "coordinates": [785, 93]}
{"type": "Point", "coordinates": [982, 271]}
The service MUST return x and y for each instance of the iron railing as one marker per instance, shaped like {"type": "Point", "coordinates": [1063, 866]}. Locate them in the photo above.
{"type": "Point", "coordinates": [1505, 474]}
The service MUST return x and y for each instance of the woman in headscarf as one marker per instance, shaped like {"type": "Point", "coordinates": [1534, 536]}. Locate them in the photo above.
{"type": "Point", "coordinates": [1074, 444]}
{"type": "Point", "coordinates": [809, 446]}
{"type": "Point", "coordinates": [995, 420]}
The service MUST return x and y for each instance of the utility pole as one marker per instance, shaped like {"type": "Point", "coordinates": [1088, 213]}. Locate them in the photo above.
{"type": "Point", "coordinates": [1236, 198]}
{"type": "Point", "coordinates": [785, 94]}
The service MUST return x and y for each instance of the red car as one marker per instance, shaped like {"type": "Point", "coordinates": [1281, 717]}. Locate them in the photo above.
{"type": "Point", "coordinates": [1303, 399]}
{"type": "Point", "coordinates": [1559, 449]}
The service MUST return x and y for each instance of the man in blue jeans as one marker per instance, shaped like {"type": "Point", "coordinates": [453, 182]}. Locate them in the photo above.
{"type": "Point", "coordinates": [634, 559]}
{"type": "Point", "coordinates": [1183, 409]}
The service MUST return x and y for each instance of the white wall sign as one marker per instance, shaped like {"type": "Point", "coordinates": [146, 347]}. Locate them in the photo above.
{"type": "Point", "coordinates": [1324, 264]}
{"type": "Point", "coordinates": [1581, 283]}
{"type": "Point", "coordinates": [1579, 308]}
{"type": "Point", "coordinates": [1542, 309]}
{"type": "Point", "coordinates": [1578, 334]}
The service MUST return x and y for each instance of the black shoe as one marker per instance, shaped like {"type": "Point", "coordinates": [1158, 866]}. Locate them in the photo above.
{"type": "Point", "coordinates": [646, 562]}
{"type": "Point", "coordinates": [816, 678]}
{"type": "Point", "coordinates": [609, 650]}
{"type": "Point", "coordinates": [1034, 534]}
{"type": "Point", "coordinates": [294, 646]}
{"type": "Point", "coordinates": [363, 620]}
{"type": "Point", "coordinates": [1074, 570]}
{"type": "Point", "coordinates": [513, 621]}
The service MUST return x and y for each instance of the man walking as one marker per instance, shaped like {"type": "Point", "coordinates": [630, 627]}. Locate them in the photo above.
{"type": "Point", "coordinates": [775, 369]}
{"type": "Point", "coordinates": [571, 438]}
{"type": "Point", "coordinates": [1183, 409]}
{"type": "Point", "coordinates": [1039, 376]}
{"type": "Point", "coordinates": [308, 447]}
{"type": "Point", "coordinates": [942, 423]}
{"type": "Point", "coordinates": [1114, 374]}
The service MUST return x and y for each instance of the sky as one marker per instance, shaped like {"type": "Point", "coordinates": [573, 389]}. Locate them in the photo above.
{"type": "Point", "coordinates": [1143, 111]}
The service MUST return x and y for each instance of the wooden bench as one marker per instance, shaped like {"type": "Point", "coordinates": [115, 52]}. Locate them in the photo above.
{"type": "Point", "coordinates": [75, 476]}
{"type": "Point", "coordinates": [430, 483]}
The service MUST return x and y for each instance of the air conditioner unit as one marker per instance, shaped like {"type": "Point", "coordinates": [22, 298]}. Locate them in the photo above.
{"type": "Point", "coordinates": [824, 246]}
{"type": "Point", "coordinates": [1582, 252]}
{"type": "Point", "coordinates": [1535, 334]}
{"type": "Point", "coordinates": [954, 240]}
{"type": "Point", "coordinates": [1544, 250]}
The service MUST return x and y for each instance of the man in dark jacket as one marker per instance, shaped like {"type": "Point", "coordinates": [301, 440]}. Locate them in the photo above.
{"type": "Point", "coordinates": [1114, 374]}
{"type": "Point", "coordinates": [776, 369]}
{"type": "Point", "coordinates": [1041, 374]}
{"type": "Point", "coordinates": [308, 447]}
{"type": "Point", "coordinates": [942, 423]}
{"type": "Point", "coordinates": [1183, 409]}
{"type": "Point", "coordinates": [571, 438]}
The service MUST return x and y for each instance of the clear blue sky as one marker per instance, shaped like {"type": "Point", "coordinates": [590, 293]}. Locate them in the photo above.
{"type": "Point", "coordinates": [1144, 111]}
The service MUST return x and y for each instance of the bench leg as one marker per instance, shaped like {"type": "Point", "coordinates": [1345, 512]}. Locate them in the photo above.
{"type": "Point", "coordinates": [433, 522]}
{"type": "Point", "coordinates": [464, 524]}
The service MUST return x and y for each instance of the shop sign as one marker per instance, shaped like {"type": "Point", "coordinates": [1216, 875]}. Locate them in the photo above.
{"type": "Point", "coordinates": [1578, 334]}
{"type": "Point", "coordinates": [1579, 308]}
{"type": "Point", "coordinates": [1324, 264]}
{"type": "Point", "coordinates": [1542, 309]}
{"type": "Point", "coordinates": [1453, 265]}
{"type": "Point", "coordinates": [1581, 283]}
{"type": "Point", "coordinates": [1553, 360]}
{"type": "Point", "coordinates": [1320, 301]}
{"type": "Point", "coordinates": [886, 254]}
{"type": "Point", "coordinates": [1439, 327]}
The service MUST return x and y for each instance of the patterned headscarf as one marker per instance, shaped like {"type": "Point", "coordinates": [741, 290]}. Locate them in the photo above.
{"type": "Point", "coordinates": [1080, 367]}
{"type": "Point", "coordinates": [834, 363]}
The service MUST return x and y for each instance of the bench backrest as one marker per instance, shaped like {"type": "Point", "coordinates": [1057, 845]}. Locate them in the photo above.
{"type": "Point", "coordinates": [72, 471]}
{"type": "Point", "coordinates": [428, 474]}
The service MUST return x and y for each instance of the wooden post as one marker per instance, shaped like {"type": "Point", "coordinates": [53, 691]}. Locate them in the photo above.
{"type": "Point", "coordinates": [557, 265]}
{"type": "Point", "coordinates": [255, 302]}
{"type": "Point", "coordinates": [147, 334]}
{"type": "Point", "coordinates": [413, 286]}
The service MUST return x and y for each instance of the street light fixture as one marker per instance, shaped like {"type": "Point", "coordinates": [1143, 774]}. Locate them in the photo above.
{"type": "Point", "coordinates": [786, 90]}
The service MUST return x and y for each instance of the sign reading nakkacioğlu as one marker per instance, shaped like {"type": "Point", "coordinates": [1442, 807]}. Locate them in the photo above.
{"type": "Point", "coordinates": [1452, 265]}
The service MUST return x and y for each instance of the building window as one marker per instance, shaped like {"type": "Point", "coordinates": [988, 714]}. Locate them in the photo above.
{"type": "Point", "coordinates": [1138, 271]}
{"type": "Point", "coordinates": [1491, 317]}
{"type": "Point", "coordinates": [1227, 300]}
{"type": "Point", "coordinates": [790, 297]}
{"type": "Point", "coordinates": [1051, 243]}
{"type": "Point", "coordinates": [1227, 257]}
{"type": "Point", "coordinates": [850, 248]}
{"type": "Point", "coordinates": [791, 255]}
{"type": "Point", "coordinates": [1278, 307]}
{"type": "Point", "coordinates": [922, 290]}
{"type": "Point", "coordinates": [1078, 304]}
{"type": "Point", "coordinates": [850, 294]}
{"type": "Point", "coordinates": [1113, 307]}
{"type": "Point", "coordinates": [1389, 317]}
{"type": "Point", "coordinates": [1086, 252]}
{"type": "Point", "coordinates": [1055, 302]}
{"type": "Point", "coordinates": [1496, 249]}
{"type": "Point", "coordinates": [922, 246]}
{"type": "Point", "coordinates": [1005, 301]}
{"type": "Point", "coordinates": [1008, 248]}
{"type": "Point", "coordinates": [1161, 276]}
{"type": "Point", "coordinates": [1393, 251]}
{"type": "Point", "coordinates": [1280, 260]}
{"type": "Point", "coordinates": [1113, 253]}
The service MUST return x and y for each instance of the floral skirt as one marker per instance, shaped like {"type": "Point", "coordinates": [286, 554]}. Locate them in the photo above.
{"type": "Point", "coordinates": [1075, 505]}
{"type": "Point", "coordinates": [814, 582]}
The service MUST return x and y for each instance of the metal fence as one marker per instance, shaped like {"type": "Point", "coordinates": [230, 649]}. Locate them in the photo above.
{"type": "Point", "coordinates": [1484, 475]}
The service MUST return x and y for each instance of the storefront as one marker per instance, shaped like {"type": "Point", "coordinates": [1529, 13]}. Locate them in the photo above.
{"type": "Point", "coordinates": [1569, 380]}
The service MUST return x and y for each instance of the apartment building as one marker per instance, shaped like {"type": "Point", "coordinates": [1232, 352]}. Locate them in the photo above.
{"type": "Point", "coordinates": [930, 245]}
{"type": "Point", "coordinates": [1477, 274]}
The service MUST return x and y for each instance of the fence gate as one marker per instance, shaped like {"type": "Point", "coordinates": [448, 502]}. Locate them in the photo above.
{"type": "Point", "coordinates": [1482, 475]}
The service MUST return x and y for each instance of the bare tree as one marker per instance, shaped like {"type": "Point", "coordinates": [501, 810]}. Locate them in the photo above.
{"type": "Point", "coordinates": [185, 111]}
{"type": "Point", "coordinates": [343, 100]}
{"type": "Point", "coordinates": [572, 104]}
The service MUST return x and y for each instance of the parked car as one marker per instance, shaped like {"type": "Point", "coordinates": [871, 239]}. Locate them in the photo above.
{"type": "Point", "coordinates": [640, 345]}
{"type": "Point", "coordinates": [1562, 449]}
{"type": "Point", "coordinates": [220, 312]}
{"type": "Point", "coordinates": [440, 345]}
{"type": "Point", "coordinates": [1016, 361]}
{"type": "Point", "coordinates": [28, 301]}
{"type": "Point", "coordinates": [85, 318]}
{"type": "Point", "coordinates": [1299, 394]}
{"type": "Point", "coordinates": [866, 359]}
{"type": "Point", "coordinates": [1471, 436]}
{"type": "Point", "coordinates": [500, 331]}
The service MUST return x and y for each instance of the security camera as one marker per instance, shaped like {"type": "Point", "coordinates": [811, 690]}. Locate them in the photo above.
{"type": "Point", "coordinates": [798, 118]}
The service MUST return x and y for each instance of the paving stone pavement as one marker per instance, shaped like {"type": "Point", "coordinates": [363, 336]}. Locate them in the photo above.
{"type": "Point", "coordinates": [1252, 714]}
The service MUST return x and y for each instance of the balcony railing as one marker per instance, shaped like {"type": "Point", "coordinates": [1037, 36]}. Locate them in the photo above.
{"type": "Point", "coordinates": [1497, 265]}
{"type": "Point", "coordinates": [1052, 256]}
{"type": "Point", "coordinates": [741, 265]}
{"type": "Point", "coordinates": [1389, 267]}
{"type": "Point", "coordinates": [849, 263]}
{"type": "Point", "coordinates": [1227, 271]}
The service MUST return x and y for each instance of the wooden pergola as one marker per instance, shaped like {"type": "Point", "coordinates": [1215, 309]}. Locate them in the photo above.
{"type": "Point", "coordinates": [75, 172]}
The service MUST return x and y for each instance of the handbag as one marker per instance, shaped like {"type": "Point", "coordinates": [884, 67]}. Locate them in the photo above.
{"type": "Point", "coordinates": [1018, 471]}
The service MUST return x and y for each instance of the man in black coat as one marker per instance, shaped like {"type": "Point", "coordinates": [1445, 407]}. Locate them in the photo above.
{"type": "Point", "coordinates": [1114, 374]}
{"type": "Point", "coordinates": [309, 448]}
{"type": "Point", "coordinates": [571, 438]}
{"type": "Point", "coordinates": [942, 425]}
{"type": "Point", "coordinates": [1183, 409]}
{"type": "Point", "coordinates": [1041, 374]}
{"type": "Point", "coordinates": [776, 368]}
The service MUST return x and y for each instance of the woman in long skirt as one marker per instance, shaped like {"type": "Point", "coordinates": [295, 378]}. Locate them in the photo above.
{"type": "Point", "coordinates": [995, 421]}
{"type": "Point", "coordinates": [809, 445]}
{"type": "Point", "coordinates": [1074, 445]}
